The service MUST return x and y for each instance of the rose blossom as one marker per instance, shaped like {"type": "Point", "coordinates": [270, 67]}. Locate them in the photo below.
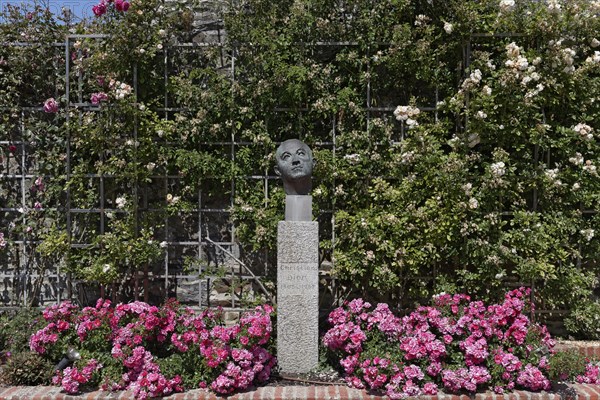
{"type": "Point", "coordinates": [51, 105]}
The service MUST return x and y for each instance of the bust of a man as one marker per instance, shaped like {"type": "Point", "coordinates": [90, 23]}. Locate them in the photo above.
{"type": "Point", "coordinates": [295, 165]}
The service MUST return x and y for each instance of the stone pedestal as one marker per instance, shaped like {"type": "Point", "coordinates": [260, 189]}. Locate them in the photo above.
{"type": "Point", "coordinates": [297, 296]}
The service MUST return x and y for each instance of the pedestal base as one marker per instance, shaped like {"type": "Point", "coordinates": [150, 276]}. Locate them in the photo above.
{"type": "Point", "coordinates": [297, 296]}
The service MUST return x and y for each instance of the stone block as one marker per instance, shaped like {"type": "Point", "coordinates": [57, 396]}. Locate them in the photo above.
{"type": "Point", "coordinates": [297, 296]}
{"type": "Point", "coordinates": [298, 242]}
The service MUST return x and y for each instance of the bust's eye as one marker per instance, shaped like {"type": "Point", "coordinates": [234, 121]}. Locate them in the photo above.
{"type": "Point", "coordinates": [285, 156]}
{"type": "Point", "coordinates": [300, 152]}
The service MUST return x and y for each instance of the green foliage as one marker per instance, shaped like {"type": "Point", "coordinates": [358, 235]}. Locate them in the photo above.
{"type": "Point", "coordinates": [493, 182]}
{"type": "Point", "coordinates": [26, 368]}
{"type": "Point", "coordinates": [17, 328]}
{"type": "Point", "coordinates": [489, 190]}
{"type": "Point", "coordinates": [583, 321]}
{"type": "Point", "coordinates": [119, 252]}
{"type": "Point", "coordinates": [189, 366]}
{"type": "Point", "coordinates": [566, 365]}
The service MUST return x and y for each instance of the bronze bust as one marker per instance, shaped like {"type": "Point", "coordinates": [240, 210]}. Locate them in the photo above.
{"type": "Point", "coordinates": [295, 165]}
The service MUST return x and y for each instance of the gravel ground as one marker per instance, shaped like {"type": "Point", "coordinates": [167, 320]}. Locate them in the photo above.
{"type": "Point", "coordinates": [329, 377]}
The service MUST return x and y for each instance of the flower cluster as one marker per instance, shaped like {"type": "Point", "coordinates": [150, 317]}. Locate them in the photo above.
{"type": "Point", "coordinates": [520, 70]}
{"type": "Point", "coordinates": [594, 59]}
{"type": "Point", "coordinates": [97, 98]}
{"type": "Point", "coordinates": [121, 202]}
{"type": "Point", "coordinates": [498, 169]}
{"type": "Point", "coordinates": [143, 375]}
{"type": "Point", "coordinates": [2, 241]}
{"type": "Point", "coordinates": [507, 5]}
{"type": "Point", "coordinates": [121, 89]}
{"type": "Point", "coordinates": [584, 130]}
{"type": "Point", "coordinates": [588, 234]}
{"type": "Point", "coordinates": [590, 168]}
{"type": "Point", "coordinates": [71, 377]}
{"type": "Point", "coordinates": [473, 80]}
{"type": "Point", "coordinates": [591, 375]}
{"type": "Point", "coordinates": [60, 320]}
{"type": "Point", "coordinates": [172, 200]}
{"type": "Point", "coordinates": [457, 345]}
{"type": "Point", "coordinates": [102, 7]}
{"type": "Point", "coordinates": [36, 190]}
{"type": "Point", "coordinates": [515, 59]}
{"type": "Point", "coordinates": [408, 114]}
{"type": "Point", "coordinates": [156, 351]}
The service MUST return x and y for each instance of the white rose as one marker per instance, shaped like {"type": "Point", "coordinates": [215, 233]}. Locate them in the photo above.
{"type": "Point", "coordinates": [588, 234]}
{"type": "Point", "coordinates": [448, 27]}
{"type": "Point", "coordinates": [473, 203]}
{"type": "Point", "coordinates": [121, 202]}
{"type": "Point", "coordinates": [507, 5]}
{"type": "Point", "coordinates": [498, 169]}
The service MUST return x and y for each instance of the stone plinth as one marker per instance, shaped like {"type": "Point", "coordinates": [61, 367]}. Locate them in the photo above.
{"type": "Point", "coordinates": [297, 296]}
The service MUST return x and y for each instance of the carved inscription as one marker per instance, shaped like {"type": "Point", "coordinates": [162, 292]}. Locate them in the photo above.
{"type": "Point", "coordinates": [297, 278]}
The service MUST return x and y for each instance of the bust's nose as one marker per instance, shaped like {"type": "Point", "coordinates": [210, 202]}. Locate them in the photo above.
{"type": "Point", "coordinates": [295, 161]}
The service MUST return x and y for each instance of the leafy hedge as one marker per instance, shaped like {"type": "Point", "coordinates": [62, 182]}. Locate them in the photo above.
{"type": "Point", "coordinates": [493, 182]}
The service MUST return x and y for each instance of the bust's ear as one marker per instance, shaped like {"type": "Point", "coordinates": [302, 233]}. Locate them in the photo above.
{"type": "Point", "coordinates": [277, 171]}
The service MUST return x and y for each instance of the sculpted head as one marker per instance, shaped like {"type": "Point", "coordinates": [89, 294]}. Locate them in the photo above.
{"type": "Point", "coordinates": [295, 165]}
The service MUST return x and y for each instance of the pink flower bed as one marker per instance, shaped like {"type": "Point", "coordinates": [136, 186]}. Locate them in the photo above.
{"type": "Point", "coordinates": [456, 345]}
{"type": "Point", "coordinates": [156, 351]}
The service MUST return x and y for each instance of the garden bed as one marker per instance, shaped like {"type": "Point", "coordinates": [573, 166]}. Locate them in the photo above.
{"type": "Point", "coordinates": [152, 353]}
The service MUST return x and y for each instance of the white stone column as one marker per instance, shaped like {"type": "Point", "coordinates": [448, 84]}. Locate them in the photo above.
{"type": "Point", "coordinates": [297, 296]}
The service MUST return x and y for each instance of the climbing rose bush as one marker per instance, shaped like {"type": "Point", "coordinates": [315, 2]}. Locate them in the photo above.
{"type": "Point", "coordinates": [455, 345]}
{"type": "Point", "coordinates": [154, 351]}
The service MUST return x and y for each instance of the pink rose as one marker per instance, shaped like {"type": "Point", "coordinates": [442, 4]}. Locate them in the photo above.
{"type": "Point", "coordinates": [99, 9]}
{"type": "Point", "coordinates": [50, 105]}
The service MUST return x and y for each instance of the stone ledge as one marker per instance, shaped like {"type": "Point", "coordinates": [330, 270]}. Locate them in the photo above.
{"type": "Point", "coordinates": [584, 392]}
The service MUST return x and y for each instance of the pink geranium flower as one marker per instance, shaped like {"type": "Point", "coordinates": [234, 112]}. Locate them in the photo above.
{"type": "Point", "coordinates": [448, 345]}
{"type": "Point", "coordinates": [135, 330]}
